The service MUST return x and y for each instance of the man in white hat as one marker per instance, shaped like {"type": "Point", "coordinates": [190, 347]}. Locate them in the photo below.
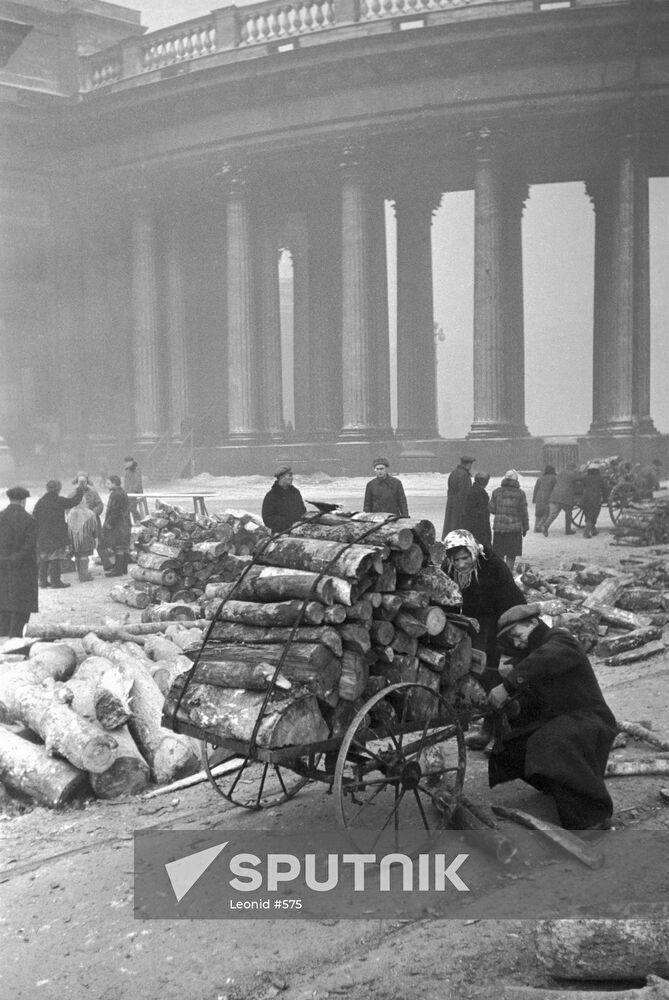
{"type": "Point", "coordinates": [560, 738]}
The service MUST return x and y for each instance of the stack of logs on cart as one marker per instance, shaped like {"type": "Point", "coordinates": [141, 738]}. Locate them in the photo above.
{"type": "Point", "coordinates": [358, 613]}
{"type": "Point", "coordinates": [83, 716]}
{"type": "Point", "coordinates": [179, 552]}
{"type": "Point", "coordinates": [617, 614]}
{"type": "Point", "coordinates": [645, 522]}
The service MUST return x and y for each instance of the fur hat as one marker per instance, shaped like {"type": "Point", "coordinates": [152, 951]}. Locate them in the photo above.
{"type": "Point", "coordinates": [281, 471]}
{"type": "Point", "coordinates": [511, 474]}
{"type": "Point", "coordinates": [518, 613]}
{"type": "Point", "coordinates": [81, 475]}
{"type": "Point", "coordinates": [381, 461]}
{"type": "Point", "coordinates": [467, 460]}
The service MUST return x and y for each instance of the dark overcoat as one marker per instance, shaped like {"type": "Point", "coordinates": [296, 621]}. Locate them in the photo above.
{"type": "Point", "coordinates": [49, 512]}
{"type": "Point", "coordinates": [18, 561]}
{"type": "Point", "coordinates": [282, 506]}
{"type": "Point", "coordinates": [386, 496]}
{"type": "Point", "coordinates": [116, 530]}
{"type": "Point", "coordinates": [459, 485]}
{"type": "Point", "coordinates": [565, 729]}
{"type": "Point", "coordinates": [477, 515]}
{"type": "Point", "coordinates": [542, 491]}
{"type": "Point", "coordinates": [491, 592]}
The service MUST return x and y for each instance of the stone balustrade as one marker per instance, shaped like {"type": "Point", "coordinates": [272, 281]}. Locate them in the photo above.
{"type": "Point", "coordinates": [260, 24]}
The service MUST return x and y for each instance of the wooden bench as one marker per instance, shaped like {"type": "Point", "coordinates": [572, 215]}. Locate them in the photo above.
{"type": "Point", "coordinates": [198, 500]}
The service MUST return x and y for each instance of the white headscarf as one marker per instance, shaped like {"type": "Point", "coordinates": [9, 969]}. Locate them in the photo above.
{"type": "Point", "coordinates": [462, 539]}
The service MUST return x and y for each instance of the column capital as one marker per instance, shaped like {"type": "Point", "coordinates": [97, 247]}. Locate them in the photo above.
{"type": "Point", "coordinates": [353, 156]}
{"type": "Point", "coordinates": [484, 141]}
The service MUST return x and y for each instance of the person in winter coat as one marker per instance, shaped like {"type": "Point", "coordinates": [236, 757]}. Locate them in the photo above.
{"type": "Point", "coordinates": [385, 493]}
{"type": "Point", "coordinates": [595, 493]}
{"type": "Point", "coordinates": [117, 527]}
{"type": "Point", "coordinates": [647, 479]}
{"type": "Point", "coordinates": [82, 526]}
{"type": "Point", "coordinates": [132, 483]}
{"type": "Point", "coordinates": [283, 504]}
{"type": "Point", "coordinates": [488, 590]}
{"type": "Point", "coordinates": [52, 534]}
{"type": "Point", "coordinates": [511, 522]}
{"type": "Point", "coordinates": [18, 564]}
{"type": "Point", "coordinates": [560, 737]}
{"type": "Point", "coordinates": [477, 515]}
{"type": "Point", "coordinates": [562, 498]}
{"type": "Point", "coordinates": [93, 502]}
{"type": "Point", "coordinates": [459, 485]}
{"type": "Point", "coordinates": [542, 491]}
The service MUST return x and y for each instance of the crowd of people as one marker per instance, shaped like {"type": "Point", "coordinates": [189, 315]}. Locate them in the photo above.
{"type": "Point", "coordinates": [62, 532]}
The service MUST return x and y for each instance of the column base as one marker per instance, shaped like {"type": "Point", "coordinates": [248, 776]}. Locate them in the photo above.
{"type": "Point", "coordinates": [245, 437]}
{"type": "Point", "coordinates": [365, 434]}
{"type": "Point", "coordinates": [416, 433]}
{"type": "Point", "coordinates": [482, 432]}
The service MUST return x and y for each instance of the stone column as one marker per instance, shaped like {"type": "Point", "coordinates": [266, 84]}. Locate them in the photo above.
{"type": "Point", "coordinates": [601, 193]}
{"type": "Point", "coordinates": [303, 377]}
{"type": "Point", "coordinates": [324, 228]}
{"type": "Point", "coordinates": [630, 370]}
{"type": "Point", "coordinates": [514, 197]}
{"type": "Point", "coordinates": [378, 278]}
{"type": "Point", "coordinates": [148, 425]}
{"type": "Point", "coordinates": [68, 280]}
{"type": "Point", "coordinates": [242, 355]}
{"type": "Point", "coordinates": [416, 361]}
{"type": "Point", "coordinates": [357, 361]}
{"type": "Point", "coordinates": [175, 326]}
{"type": "Point", "coordinates": [492, 417]}
{"type": "Point", "coordinates": [269, 322]}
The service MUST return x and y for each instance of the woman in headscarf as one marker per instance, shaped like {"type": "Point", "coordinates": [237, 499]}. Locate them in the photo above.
{"type": "Point", "coordinates": [117, 528]}
{"type": "Point", "coordinates": [488, 590]}
{"type": "Point", "coordinates": [511, 522]}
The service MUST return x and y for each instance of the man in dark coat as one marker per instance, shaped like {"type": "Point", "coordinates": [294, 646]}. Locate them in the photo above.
{"type": "Point", "coordinates": [560, 738]}
{"type": "Point", "coordinates": [385, 493]}
{"type": "Point", "coordinates": [562, 498]}
{"type": "Point", "coordinates": [477, 516]}
{"type": "Point", "coordinates": [459, 485]}
{"type": "Point", "coordinates": [283, 504]}
{"type": "Point", "coordinates": [18, 564]}
{"type": "Point", "coordinates": [52, 535]}
{"type": "Point", "coordinates": [595, 493]}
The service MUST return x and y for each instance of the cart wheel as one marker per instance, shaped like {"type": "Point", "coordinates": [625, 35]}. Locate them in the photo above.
{"type": "Point", "coordinates": [621, 496]}
{"type": "Point", "coordinates": [389, 767]}
{"type": "Point", "coordinates": [578, 517]}
{"type": "Point", "coordinates": [252, 784]}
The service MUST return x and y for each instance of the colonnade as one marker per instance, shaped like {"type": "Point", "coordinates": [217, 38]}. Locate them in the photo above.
{"type": "Point", "coordinates": [342, 378]}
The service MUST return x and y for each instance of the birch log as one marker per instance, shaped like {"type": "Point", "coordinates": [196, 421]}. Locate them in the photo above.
{"type": "Point", "coordinates": [27, 768]}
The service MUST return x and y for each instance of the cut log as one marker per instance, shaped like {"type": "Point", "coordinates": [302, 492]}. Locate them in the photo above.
{"type": "Point", "coordinates": [412, 626]}
{"type": "Point", "coordinates": [27, 768]}
{"type": "Point", "coordinates": [633, 655]}
{"type": "Point", "coordinates": [388, 535]}
{"type": "Point", "coordinates": [386, 581]}
{"type": "Point", "coordinates": [158, 563]}
{"type": "Point", "coordinates": [162, 577]}
{"type": "Point", "coordinates": [355, 637]}
{"type": "Point", "coordinates": [434, 619]}
{"type": "Point", "coordinates": [390, 606]}
{"type": "Point", "coordinates": [619, 618]}
{"type": "Point", "coordinates": [277, 584]}
{"type": "Point", "coordinates": [350, 562]}
{"type": "Point", "coordinates": [131, 596]}
{"type": "Point", "coordinates": [413, 599]}
{"type": "Point", "coordinates": [440, 588]}
{"type": "Point", "coordinates": [381, 632]}
{"type": "Point", "coordinates": [108, 632]}
{"type": "Point", "coordinates": [56, 659]}
{"type": "Point", "coordinates": [383, 654]}
{"type": "Point", "coordinates": [612, 645]}
{"type": "Point", "coordinates": [657, 989]}
{"type": "Point", "coordinates": [436, 659]}
{"type": "Point", "coordinates": [157, 647]}
{"type": "Point", "coordinates": [273, 614]}
{"type": "Point", "coordinates": [81, 741]}
{"type": "Point", "coordinates": [170, 613]}
{"type": "Point", "coordinates": [167, 671]}
{"type": "Point", "coordinates": [128, 774]}
{"type": "Point", "coordinates": [306, 654]}
{"type": "Point", "coordinates": [626, 768]}
{"type": "Point", "coordinates": [232, 714]}
{"type": "Point", "coordinates": [235, 633]}
{"type": "Point", "coordinates": [640, 599]}
{"type": "Point", "coordinates": [409, 562]}
{"type": "Point", "coordinates": [177, 553]}
{"type": "Point", "coordinates": [567, 841]}
{"type": "Point", "coordinates": [607, 592]}
{"type": "Point", "coordinates": [603, 949]}
{"type": "Point", "coordinates": [640, 732]}
{"type": "Point", "coordinates": [354, 676]}
{"type": "Point", "coordinates": [361, 611]}
{"type": "Point", "coordinates": [249, 676]}
{"type": "Point", "coordinates": [405, 645]}
{"type": "Point", "coordinates": [335, 615]}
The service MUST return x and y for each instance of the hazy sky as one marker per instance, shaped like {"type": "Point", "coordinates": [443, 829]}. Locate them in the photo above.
{"type": "Point", "coordinates": [558, 239]}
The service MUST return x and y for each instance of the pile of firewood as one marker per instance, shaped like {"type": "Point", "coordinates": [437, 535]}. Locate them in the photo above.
{"type": "Point", "coordinates": [645, 522]}
{"type": "Point", "coordinates": [601, 606]}
{"type": "Point", "coordinates": [84, 716]}
{"type": "Point", "coordinates": [347, 605]}
{"type": "Point", "coordinates": [178, 552]}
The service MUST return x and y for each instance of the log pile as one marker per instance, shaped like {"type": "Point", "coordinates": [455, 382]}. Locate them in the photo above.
{"type": "Point", "coordinates": [645, 522]}
{"type": "Point", "coordinates": [178, 552]}
{"type": "Point", "coordinates": [76, 722]}
{"type": "Point", "coordinates": [345, 606]}
{"type": "Point", "coordinates": [620, 618]}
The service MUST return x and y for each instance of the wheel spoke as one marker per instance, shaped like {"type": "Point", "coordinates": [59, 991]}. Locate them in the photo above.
{"type": "Point", "coordinates": [420, 809]}
{"type": "Point", "coordinates": [261, 786]}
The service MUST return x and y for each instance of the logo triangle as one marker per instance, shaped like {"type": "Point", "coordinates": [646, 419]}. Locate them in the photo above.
{"type": "Point", "coordinates": [184, 872]}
